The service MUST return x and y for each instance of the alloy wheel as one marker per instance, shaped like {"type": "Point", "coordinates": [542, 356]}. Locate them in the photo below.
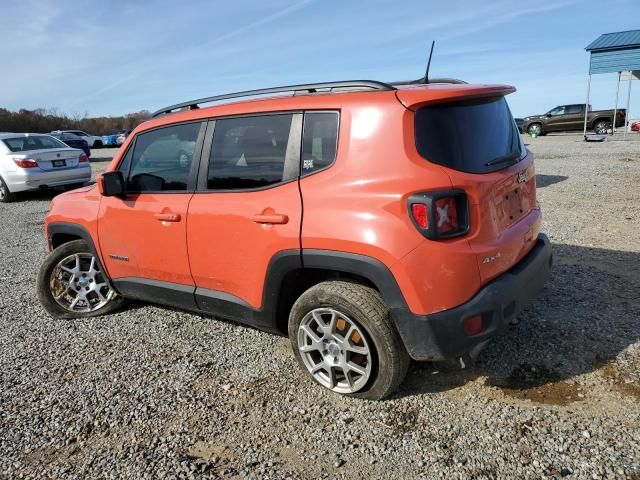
{"type": "Point", "coordinates": [334, 350]}
{"type": "Point", "coordinates": [78, 285]}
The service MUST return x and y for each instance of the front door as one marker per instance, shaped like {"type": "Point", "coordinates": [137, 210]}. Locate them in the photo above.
{"type": "Point", "coordinates": [143, 234]}
{"type": "Point", "coordinates": [247, 208]}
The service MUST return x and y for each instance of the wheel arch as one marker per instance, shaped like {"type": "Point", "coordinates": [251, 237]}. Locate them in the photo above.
{"type": "Point", "coordinates": [600, 118]}
{"type": "Point", "coordinates": [59, 233]}
{"type": "Point", "coordinates": [287, 280]}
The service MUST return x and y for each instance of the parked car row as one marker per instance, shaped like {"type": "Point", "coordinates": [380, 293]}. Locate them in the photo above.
{"type": "Point", "coordinates": [31, 161]}
{"type": "Point", "coordinates": [94, 141]}
{"type": "Point", "coordinates": [115, 139]}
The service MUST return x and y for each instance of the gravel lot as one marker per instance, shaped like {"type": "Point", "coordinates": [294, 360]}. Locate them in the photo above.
{"type": "Point", "coordinates": [156, 393]}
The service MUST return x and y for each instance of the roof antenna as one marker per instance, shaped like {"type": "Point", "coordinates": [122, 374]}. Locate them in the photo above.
{"type": "Point", "coordinates": [426, 73]}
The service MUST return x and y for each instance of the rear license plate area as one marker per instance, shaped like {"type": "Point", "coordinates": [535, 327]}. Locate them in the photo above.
{"type": "Point", "coordinates": [59, 163]}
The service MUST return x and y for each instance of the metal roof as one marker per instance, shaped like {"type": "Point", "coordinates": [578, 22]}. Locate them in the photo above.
{"type": "Point", "coordinates": [614, 41]}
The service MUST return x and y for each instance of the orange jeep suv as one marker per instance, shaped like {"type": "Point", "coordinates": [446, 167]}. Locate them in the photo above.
{"type": "Point", "coordinates": [373, 223]}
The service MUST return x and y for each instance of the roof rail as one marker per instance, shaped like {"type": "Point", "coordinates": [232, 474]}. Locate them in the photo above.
{"type": "Point", "coordinates": [308, 87]}
{"type": "Point", "coordinates": [420, 81]}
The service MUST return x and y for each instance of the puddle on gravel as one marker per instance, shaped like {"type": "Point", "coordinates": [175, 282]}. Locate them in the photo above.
{"type": "Point", "coordinates": [537, 384]}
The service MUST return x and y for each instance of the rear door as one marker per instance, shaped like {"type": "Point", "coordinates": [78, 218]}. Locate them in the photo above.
{"type": "Point", "coordinates": [574, 117]}
{"type": "Point", "coordinates": [247, 208]}
{"type": "Point", "coordinates": [143, 234]}
{"type": "Point", "coordinates": [491, 164]}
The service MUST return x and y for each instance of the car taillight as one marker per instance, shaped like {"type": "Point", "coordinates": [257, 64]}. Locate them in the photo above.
{"type": "Point", "coordinates": [440, 215]}
{"type": "Point", "coordinates": [84, 158]}
{"type": "Point", "coordinates": [419, 212]}
{"type": "Point", "coordinates": [25, 162]}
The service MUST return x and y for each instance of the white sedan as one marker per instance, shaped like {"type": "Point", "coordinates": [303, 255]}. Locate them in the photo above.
{"type": "Point", "coordinates": [30, 161]}
{"type": "Point", "coordinates": [94, 141]}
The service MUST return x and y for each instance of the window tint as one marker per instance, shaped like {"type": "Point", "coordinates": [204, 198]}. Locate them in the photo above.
{"type": "Point", "coordinates": [248, 152]}
{"type": "Point", "coordinates": [573, 109]}
{"type": "Point", "coordinates": [319, 141]}
{"type": "Point", "coordinates": [162, 159]}
{"type": "Point", "coordinates": [557, 111]}
{"type": "Point", "coordinates": [474, 136]}
{"type": "Point", "coordinates": [25, 144]}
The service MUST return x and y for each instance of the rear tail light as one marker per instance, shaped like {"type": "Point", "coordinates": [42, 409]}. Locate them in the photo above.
{"type": "Point", "coordinates": [84, 158]}
{"type": "Point", "coordinates": [419, 212]}
{"type": "Point", "coordinates": [25, 162]}
{"type": "Point", "coordinates": [440, 215]}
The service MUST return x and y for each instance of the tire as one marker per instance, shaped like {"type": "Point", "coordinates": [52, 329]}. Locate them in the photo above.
{"type": "Point", "coordinates": [601, 127]}
{"type": "Point", "coordinates": [5, 194]}
{"type": "Point", "coordinates": [344, 307]}
{"type": "Point", "coordinates": [98, 144]}
{"type": "Point", "coordinates": [53, 276]}
{"type": "Point", "coordinates": [535, 128]}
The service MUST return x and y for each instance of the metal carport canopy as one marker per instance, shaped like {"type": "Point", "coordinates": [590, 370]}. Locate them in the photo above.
{"type": "Point", "coordinates": [611, 53]}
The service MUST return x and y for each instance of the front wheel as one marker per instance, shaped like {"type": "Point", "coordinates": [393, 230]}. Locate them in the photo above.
{"type": "Point", "coordinates": [535, 129]}
{"type": "Point", "coordinates": [343, 337]}
{"type": "Point", "coordinates": [71, 283]}
{"type": "Point", "coordinates": [601, 127]}
{"type": "Point", "coordinates": [98, 144]}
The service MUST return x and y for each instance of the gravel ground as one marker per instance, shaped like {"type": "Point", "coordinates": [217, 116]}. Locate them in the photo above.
{"type": "Point", "coordinates": [155, 393]}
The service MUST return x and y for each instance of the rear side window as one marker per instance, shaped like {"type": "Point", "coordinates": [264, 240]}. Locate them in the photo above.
{"type": "Point", "coordinates": [319, 141]}
{"type": "Point", "coordinates": [25, 144]}
{"type": "Point", "coordinates": [475, 136]}
{"type": "Point", "coordinates": [162, 159]}
{"type": "Point", "coordinates": [249, 152]}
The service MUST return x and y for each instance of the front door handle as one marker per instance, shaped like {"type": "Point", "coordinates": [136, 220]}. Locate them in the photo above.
{"type": "Point", "coordinates": [167, 217]}
{"type": "Point", "coordinates": [274, 218]}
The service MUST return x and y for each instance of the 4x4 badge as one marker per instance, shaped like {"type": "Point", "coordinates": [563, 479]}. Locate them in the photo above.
{"type": "Point", "coordinates": [523, 176]}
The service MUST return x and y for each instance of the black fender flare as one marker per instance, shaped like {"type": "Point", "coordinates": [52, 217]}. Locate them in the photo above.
{"type": "Point", "coordinates": [55, 228]}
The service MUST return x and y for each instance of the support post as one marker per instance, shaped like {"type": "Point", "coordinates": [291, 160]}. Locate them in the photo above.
{"type": "Point", "coordinates": [586, 105]}
{"type": "Point", "coordinates": [626, 117]}
{"type": "Point", "coordinates": [615, 108]}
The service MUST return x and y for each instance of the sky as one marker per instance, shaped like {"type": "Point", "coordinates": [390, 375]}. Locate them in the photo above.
{"type": "Point", "coordinates": [111, 57]}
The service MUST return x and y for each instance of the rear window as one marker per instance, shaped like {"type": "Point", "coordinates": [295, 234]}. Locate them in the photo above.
{"type": "Point", "coordinates": [26, 144]}
{"type": "Point", "coordinates": [475, 136]}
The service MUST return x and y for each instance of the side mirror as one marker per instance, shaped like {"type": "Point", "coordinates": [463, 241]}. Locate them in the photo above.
{"type": "Point", "coordinates": [548, 115]}
{"type": "Point", "coordinates": [111, 184]}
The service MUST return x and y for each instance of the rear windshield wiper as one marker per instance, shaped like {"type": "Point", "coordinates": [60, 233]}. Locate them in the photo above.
{"type": "Point", "coordinates": [505, 158]}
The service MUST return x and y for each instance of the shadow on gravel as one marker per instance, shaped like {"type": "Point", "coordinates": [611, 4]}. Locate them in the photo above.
{"type": "Point", "coordinates": [546, 180]}
{"type": "Point", "coordinates": [38, 195]}
{"type": "Point", "coordinates": [588, 313]}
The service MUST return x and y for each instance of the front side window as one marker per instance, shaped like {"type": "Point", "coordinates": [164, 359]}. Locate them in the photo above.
{"type": "Point", "coordinates": [557, 111]}
{"type": "Point", "coordinates": [161, 159]}
{"type": "Point", "coordinates": [28, 143]}
{"type": "Point", "coordinates": [249, 152]}
{"type": "Point", "coordinates": [319, 141]}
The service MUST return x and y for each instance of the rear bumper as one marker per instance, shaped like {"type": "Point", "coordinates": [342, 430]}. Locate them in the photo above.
{"type": "Point", "coordinates": [441, 335]}
{"type": "Point", "coordinates": [32, 179]}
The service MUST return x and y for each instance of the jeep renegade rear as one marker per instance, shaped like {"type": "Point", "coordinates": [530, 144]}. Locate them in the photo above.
{"type": "Point", "coordinates": [371, 223]}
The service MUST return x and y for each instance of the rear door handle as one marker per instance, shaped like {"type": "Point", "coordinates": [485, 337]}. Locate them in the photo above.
{"type": "Point", "coordinates": [167, 217]}
{"type": "Point", "coordinates": [274, 218]}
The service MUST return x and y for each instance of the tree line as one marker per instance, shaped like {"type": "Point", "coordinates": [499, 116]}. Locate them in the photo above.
{"type": "Point", "coordinates": [44, 121]}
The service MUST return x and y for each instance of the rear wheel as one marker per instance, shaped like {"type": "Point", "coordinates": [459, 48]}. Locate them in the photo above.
{"type": "Point", "coordinates": [601, 127]}
{"type": "Point", "coordinates": [71, 283]}
{"type": "Point", "coordinates": [342, 336]}
{"type": "Point", "coordinates": [535, 129]}
{"type": "Point", "coordinates": [98, 144]}
{"type": "Point", "coordinates": [5, 194]}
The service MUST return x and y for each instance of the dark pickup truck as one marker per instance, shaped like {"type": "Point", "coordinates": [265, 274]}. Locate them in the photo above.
{"type": "Point", "coordinates": [567, 118]}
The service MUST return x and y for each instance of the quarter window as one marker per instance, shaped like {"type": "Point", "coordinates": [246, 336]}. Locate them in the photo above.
{"type": "Point", "coordinates": [319, 141]}
{"type": "Point", "coordinates": [249, 152]}
{"type": "Point", "coordinates": [162, 159]}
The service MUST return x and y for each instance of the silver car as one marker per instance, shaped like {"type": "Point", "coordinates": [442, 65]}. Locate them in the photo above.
{"type": "Point", "coordinates": [30, 161]}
